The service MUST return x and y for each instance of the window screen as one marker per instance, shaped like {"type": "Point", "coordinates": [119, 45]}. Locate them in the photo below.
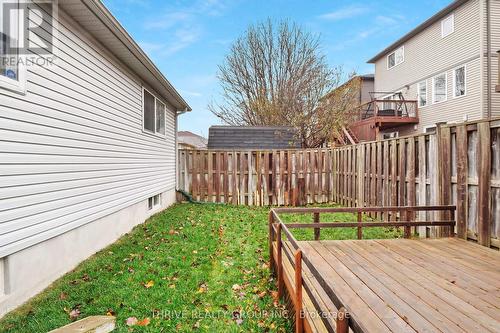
{"type": "Point", "coordinates": [440, 88]}
{"type": "Point", "coordinates": [459, 80]}
{"type": "Point", "coordinates": [160, 118]}
{"type": "Point", "coordinates": [149, 112]}
{"type": "Point", "coordinates": [422, 94]}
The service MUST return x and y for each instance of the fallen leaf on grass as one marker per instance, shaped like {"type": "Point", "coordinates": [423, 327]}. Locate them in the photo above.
{"type": "Point", "coordinates": [73, 314]}
{"type": "Point", "coordinates": [148, 284]}
{"type": "Point", "coordinates": [236, 287]}
{"type": "Point", "coordinates": [144, 322]}
{"type": "Point", "coordinates": [131, 321]}
{"type": "Point", "coordinates": [203, 288]}
{"type": "Point", "coordinates": [110, 312]}
{"type": "Point", "coordinates": [63, 296]}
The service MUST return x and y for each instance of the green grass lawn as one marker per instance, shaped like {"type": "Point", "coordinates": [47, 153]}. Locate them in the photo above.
{"type": "Point", "coordinates": [191, 267]}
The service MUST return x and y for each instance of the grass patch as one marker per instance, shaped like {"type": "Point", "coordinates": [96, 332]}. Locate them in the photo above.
{"type": "Point", "coordinates": [191, 267]}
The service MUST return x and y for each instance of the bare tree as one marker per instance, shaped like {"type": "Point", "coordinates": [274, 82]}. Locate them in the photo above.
{"type": "Point", "coordinates": [276, 74]}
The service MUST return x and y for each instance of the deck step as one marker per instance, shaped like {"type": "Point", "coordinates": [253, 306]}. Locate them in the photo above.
{"type": "Point", "coordinates": [93, 324]}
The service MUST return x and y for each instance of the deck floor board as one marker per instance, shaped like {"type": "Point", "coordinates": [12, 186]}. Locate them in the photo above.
{"type": "Point", "coordinates": [400, 285]}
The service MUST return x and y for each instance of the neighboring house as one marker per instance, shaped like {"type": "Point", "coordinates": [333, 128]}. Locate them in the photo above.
{"type": "Point", "coordinates": [252, 137]}
{"type": "Point", "coordinates": [444, 70]}
{"type": "Point", "coordinates": [364, 85]}
{"type": "Point", "coordinates": [189, 140]}
{"type": "Point", "coordinates": [88, 148]}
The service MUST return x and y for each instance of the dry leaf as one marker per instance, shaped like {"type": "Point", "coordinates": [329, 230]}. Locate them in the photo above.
{"type": "Point", "coordinates": [144, 322]}
{"type": "Point", "coordinates": [63, 296]}
{"type": "Point", "coordinates": [149, 284]}
{"type": "Point", "coordinates": [131, 321]}
{"type": "Point", "coordinates": [236, 287]}
{"type": "Point", "coordinates": [73, 314]}
{"type": "Point", "coordinates": [110, 312]}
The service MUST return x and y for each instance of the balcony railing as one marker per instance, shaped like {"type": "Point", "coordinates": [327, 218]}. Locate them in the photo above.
{"type": "Point", "coordinates": [386, 110]}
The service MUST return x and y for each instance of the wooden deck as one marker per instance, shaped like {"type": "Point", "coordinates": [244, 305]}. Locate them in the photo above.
{"type": "Point", "coordinates": [390, 285]}
{"type": "Point", "coordinates": [406, 285]}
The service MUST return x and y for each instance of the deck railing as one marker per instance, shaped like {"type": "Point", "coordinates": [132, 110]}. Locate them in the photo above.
{"type": "Point", "coordinates": [341, 321]}
{"type": "Point", "coordinates": [386, 108]}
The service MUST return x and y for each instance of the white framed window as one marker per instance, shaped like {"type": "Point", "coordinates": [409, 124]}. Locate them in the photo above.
{"type": "Point", "coordinates": [459, 81]}
{"type": "Point", "coordinates": [153, 114]}
{"type": "Point", "coordinates": [447, 26]}
{"type": "Point", "coordinates": [390, 135]}
{"type": "Point", "coordinates": [12, 68]}
{"type": "Point", "coordinates": [154, 202]}
{"type": "Point", "coordinates": [439, 88]}
{"type": "Point", "coordinates": [422, 94]}
{"type": "Point", "coordinates": [430, 129]}
{"type": "Point", "coordinates": [395, 58]}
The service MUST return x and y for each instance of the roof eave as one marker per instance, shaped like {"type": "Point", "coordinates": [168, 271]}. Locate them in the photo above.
{"type": "Point", "coordinates": [99, 9]}
{"type": "Point", "coordinates": [433, 19]}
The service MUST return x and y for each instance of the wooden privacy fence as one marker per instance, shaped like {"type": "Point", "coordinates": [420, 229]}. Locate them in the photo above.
{"type": "Point", "coordinates": [458, 165]}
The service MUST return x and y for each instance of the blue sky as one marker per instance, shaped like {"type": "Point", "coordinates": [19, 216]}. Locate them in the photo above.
{"type": "Point", "coordinates": [188, 39]}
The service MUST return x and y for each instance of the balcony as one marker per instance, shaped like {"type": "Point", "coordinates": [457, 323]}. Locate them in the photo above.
{"type": "Point", "coordinates": [368, 119]}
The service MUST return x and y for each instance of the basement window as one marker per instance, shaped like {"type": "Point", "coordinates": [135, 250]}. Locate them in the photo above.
{"type": "Point", "coordinates": [154, 202]}
{"type": "Point", "coordinates": [154, 114]}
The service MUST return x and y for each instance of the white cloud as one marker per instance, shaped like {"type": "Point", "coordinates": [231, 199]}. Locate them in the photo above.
{"type": "Point", "coordinates": [345, 13]}
{"type": "Point", "coordinates": [182, 26]}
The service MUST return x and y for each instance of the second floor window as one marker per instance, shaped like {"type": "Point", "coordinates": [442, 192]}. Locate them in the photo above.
{"type": "Point", "coordinates": [396, 57]}
{"type": "Point", "coordinates": [459, 84]}
{"type": "Point", "coordinates": [439, 88]}
{"type": "Point", "coordinates": [448, 26]}
{"type": "Point", "coordinates": [422, 94]}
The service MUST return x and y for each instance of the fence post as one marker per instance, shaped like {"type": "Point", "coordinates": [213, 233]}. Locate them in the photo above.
{"type": "Point", "coordinates": [299, 317]}
{"type": "Point", "coordinates": [279, 263]}
{"type": "Point", "coordinates": [317, 231]}
{"type": "Point", "coordinates": [301, 188]}
{"type": "Point", "coordinates": [444, 174]}
{"type": "Point", "coordinates": [462, 170]}
{"type": "Point", "coordinates": [361, 175]}
{"type": "Point", "coordinates": [360, 228]}
{"type": "Point", "coordinates": [484, 190]}
{"type": "Point", "coordinates": [271, 238]}
{"type": "Point", "coordinates": [342, 322]}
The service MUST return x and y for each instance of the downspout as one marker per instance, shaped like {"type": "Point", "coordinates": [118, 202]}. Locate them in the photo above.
{"type": "Point", "coordinates": [488, 59]}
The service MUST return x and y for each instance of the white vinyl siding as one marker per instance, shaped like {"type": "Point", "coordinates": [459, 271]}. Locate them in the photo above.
{"type": "Point", "coordinates": [422, 94]}
{"type": "Point", "coordinates": [460, 81]}
{"type": "Point", "coordinates": [73, 150]}
{"type": "Point", "coordinates": [439, 88]}
{"type": "Point", "coordinates": [447, 26]}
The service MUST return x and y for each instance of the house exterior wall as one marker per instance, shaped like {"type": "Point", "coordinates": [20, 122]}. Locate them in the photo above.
{"type": "Point", "coordinates": [367, 86]}
{"type": "Point", "coordinates": [73, 155]}
{"type": "Point", "coordinates": [427, 55]}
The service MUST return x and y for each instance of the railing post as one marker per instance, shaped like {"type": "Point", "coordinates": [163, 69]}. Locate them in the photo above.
{"type": "Point", "coordinates": [407, 229]}
{"type": "Point", "coordinates": [317, 231]}
{"type": "Point", "coordinates": [360, 228]}
{"type": "Point", "coordinates": [342, 321]}
{"type": "Point", "coordinates": [279, 262]}
{"type": "Point", "coordinates": [299, 318]}
{"type": "Point", "coordinates": [271, 239]}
